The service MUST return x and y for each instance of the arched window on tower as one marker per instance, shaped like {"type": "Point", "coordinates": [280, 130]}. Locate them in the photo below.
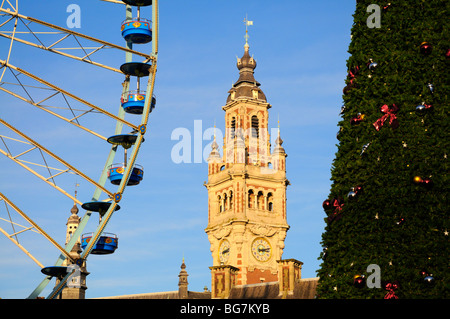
{"type": "Point", "coordinates": [260, 200]}
{"type": "Point", "coordinates": [233, 128]}
{"type": "Point", "coordinates": [251, 199]}
{"type": "Point", "coordinates": [219, 199]}
{"type": "Point", "coordinates": [255, 126]}
{"type": "Point", "coordinates": [270, 202]}
{"type": "Point", "coordinates": [231, 200]}
{"type": "Point", "coordinates": [225, 201]}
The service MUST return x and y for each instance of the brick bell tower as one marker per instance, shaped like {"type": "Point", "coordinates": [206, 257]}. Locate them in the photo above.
{"type": "Point", "coordinates": [247, 187]}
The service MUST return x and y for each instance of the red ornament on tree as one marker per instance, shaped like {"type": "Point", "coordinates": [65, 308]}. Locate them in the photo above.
{"type": "Point", "coordinates": [336, 215]}
{"type": "Point", "coordinates": [386, 7]}
{"type": "Point", "coordinates": [388, 112]}
{"type": "Point", "coordinates": [359, 281]}
{"type": "Point", "coordinates": [326, 204]}
{"type": "Point", "coordinates": [426, 48]}
{"type": "Point", "coordinates": [352, 73]}
{"type": "Point", "coordinates": [390, 287]}
{"type": "Point", "coordinates": [427, 182]}
{"type": "Point", "coordinates": [357, 119]}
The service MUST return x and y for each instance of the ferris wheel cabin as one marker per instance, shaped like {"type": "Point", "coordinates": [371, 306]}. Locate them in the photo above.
{"type": "Point", "coordinates": [116, 172]}
{"type": "Point", "coordinates": [106, 244]}
{"type": "Point", "coordinates": [137, 30]}
{"type": "Point", "coordinates": [133, 102]}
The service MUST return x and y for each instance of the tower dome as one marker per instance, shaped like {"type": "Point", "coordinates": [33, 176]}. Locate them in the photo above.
{"type": "Point", "coordinates": [246, 86]}
{"type": "Point", "coordinates": [246, 61]}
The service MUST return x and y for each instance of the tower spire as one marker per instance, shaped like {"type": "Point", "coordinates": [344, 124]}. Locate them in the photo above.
{"type": "Point", "coordinates": [76, 192]}
{"type": "Point", "coordinates": [246, 86]}
{"type": "Point", "coordinates": [247, 23]}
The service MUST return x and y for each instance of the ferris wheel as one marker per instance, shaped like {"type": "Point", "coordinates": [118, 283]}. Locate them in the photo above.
{"type": "Point", "coordinates": [122, 130]}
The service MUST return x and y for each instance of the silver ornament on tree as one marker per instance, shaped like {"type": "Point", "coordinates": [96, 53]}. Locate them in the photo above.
{"type": "Point", "coordinates": [364, 148]}
{"type": "Point", "coordinates": [372, 65]}
{"type": "Point", "coordinates": [431, 87]}
{"type": "Point", "coordinates": [429, 280]}
{"type": "Point", "coordinates": [421, 109]}
{"type": "Point", "coordinates": [354, 191]}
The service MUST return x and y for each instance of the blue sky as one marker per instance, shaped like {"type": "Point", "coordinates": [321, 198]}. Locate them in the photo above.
{"type": "Point", "coordinates": [301, 51]}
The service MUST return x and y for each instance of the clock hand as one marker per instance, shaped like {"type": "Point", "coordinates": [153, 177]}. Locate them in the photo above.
{"type": "Point", "coordinates": [225, 251]}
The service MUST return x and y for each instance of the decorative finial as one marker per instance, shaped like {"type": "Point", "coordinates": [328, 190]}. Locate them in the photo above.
{"type": "Point", "coordinates": [278, 142]}
{"type": "Point", "coordinates": [74, 209]}
{"type": "Point", "coordinates": [76, 192]}
{"type": "Point", "coordinates": [279, 138]}
{"type": "Point", "coordinates": [247, 23]}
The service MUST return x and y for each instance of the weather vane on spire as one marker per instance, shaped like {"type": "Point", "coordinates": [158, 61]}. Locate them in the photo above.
{"type": "Point", "coordinates": [76, 192]}
{"type": "Point", "coordinates": [247, 23]}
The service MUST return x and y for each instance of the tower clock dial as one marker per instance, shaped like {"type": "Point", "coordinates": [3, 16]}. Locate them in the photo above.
{"type": "Point", "coordinates": [224, 251]}
{"type": "Point", "coordinates": [261, 249]}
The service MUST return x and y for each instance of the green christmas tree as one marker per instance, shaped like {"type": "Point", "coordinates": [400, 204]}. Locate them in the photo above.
{"type": "Point", "coordinates": [387, 208]}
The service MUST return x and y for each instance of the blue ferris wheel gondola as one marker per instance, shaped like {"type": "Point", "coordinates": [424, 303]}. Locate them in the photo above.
{"type": "Point", "coordinates": [137, 30]}
{"type": "Point", "coordinates": [106, 244]}
{"type": "Point", "coordinates": [116, 171]}
{"type": "Point", "coordinates": [133, 102]}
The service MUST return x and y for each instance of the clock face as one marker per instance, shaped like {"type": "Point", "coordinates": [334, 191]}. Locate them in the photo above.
{"type": "Point", "coordinates": [224, 251]}
{"type": "Point", "coordinates": [261, 249]}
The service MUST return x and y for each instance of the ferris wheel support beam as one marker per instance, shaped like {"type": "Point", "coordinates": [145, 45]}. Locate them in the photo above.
{"type": "Point", "coordinates": [155, 27]}
{"type": "Point", "coordinates": [80, 173]}
{"type": "Point", "coordinates": [21, 247]}
{"type": "Point", "coordinates": [40, 176]}
{"type": "Point", "coordinates": [115, 1]}
{"type": "Point", "coordinates": [57, 290]}
{"type": "Point", "coordinates": [35, 293]}
{"type": "Point", "coordinates": [71, 32]}
{"type": "Point", "coordinates": [35, 226]}
{"type": "Point", "coordinates": [34, 77]}
{"type": "Point", "coordinates": [62, 53]}
{"type": "Point", "coordinates": [53, 113]}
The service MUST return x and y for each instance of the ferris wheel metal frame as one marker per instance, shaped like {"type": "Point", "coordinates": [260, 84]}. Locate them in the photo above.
{"type": "Point", "coordinates": [9, 9]}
